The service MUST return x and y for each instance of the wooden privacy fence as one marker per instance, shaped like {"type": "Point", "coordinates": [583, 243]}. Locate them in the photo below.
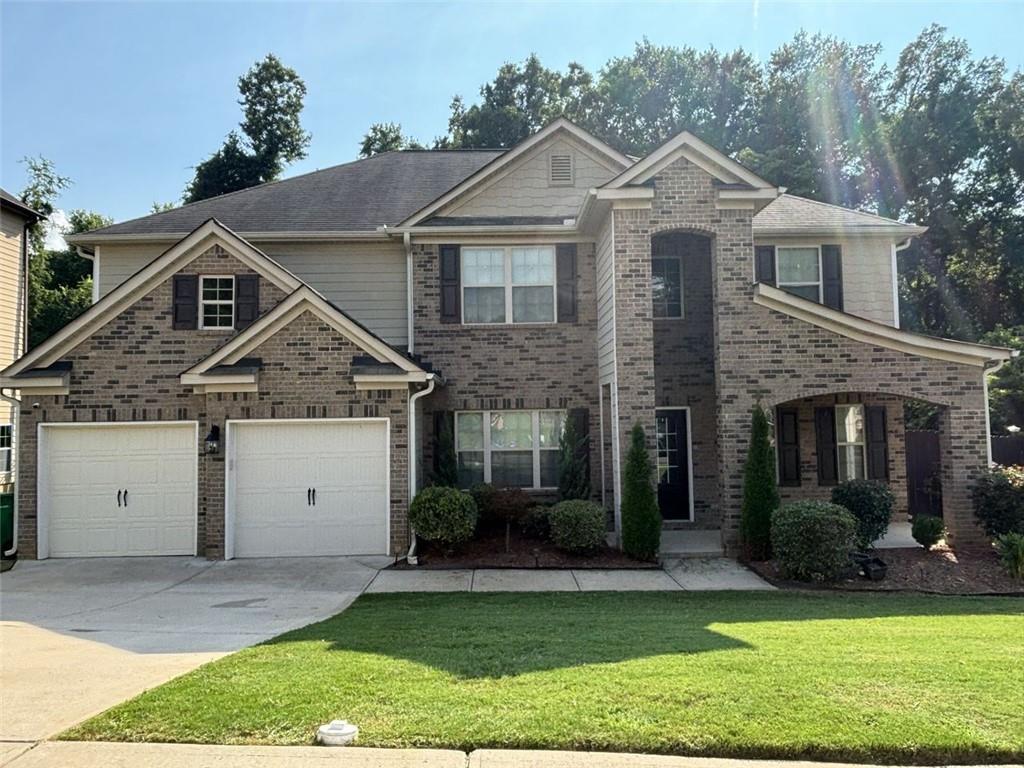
{"type": "Point", "coordinates": [1008, 449]}
{"type": "Point", "coordinates": [924, 478]}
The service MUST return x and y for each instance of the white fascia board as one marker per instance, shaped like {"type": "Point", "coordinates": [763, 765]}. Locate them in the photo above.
{"type": "Point", "coordinates": [37, 385]}
{"type": "Point", "coordinates": [196, 379]}
{"type": "Point", "coordinates": [625, 193]}
{"type": "Point", "coordinates": [898, 231]}
{"type": "Point", "coordinates": [370, 381]}
{"type": "Point", "coordinates": [275, 236]}
{"type": "Point", "coordinates": [487, 229]}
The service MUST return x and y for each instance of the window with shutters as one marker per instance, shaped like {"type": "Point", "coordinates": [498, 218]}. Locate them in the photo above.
{"type": "Point", "coordinates": [514, 284]}
{"type": "Point", "coordinates": [798, 271]}
{"type": "Point", "coordinates": [6, 449]}
{"type": "Point", "coordinates": [850, 441]}
{"type": "Point", "coordinates": [560, 169]}
{"type": "Point", "coordinates": [509, 449]}
{"type": "Point", "coordinates": [667, 286]}
{"type": "Point", "coordinates": [217, 302]}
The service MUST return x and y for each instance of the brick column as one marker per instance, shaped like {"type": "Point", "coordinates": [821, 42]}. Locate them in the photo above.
{"type": "Point", "coordinates": [963, 439]}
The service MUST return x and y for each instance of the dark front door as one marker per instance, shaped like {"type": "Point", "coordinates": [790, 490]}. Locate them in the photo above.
{"type": "Point", "coordinates": [673, 465]}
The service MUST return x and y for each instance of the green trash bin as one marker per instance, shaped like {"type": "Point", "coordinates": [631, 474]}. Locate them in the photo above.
{"type": "Point", "coordinates": [6, 521]}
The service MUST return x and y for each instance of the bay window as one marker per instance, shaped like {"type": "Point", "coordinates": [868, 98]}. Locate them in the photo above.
{"type": "Point", "coordinates": [509, 449]}
{"type": "Point", "coordinates": [508, 284]}
{"type": "Point", "coordinates": [850, 441]}
{"type": "Point", "coordinates": [799, 271]}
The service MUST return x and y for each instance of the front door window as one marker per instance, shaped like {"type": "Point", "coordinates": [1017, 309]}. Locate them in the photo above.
{"type": "Point", "coordinates": [673, 465]}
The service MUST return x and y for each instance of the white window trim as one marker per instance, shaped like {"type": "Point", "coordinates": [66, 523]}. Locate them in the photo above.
{"type": "Point", "coordinates": [203, 302]}
{"type": "Point", "coordinates": [536, 449]}
{"type": "Point", "coordinates": [508, 285]}
{"type": "Point", "coordinates": [682, 289]}
{"type": "Point", "coordinates": [7, 451]}
{"type": "Point", "coordinates": [863, 445]}
{"type": "Point", "coordinates": [778, 272]}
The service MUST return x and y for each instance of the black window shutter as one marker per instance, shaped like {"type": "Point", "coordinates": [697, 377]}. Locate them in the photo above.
{"type": "Point", "coordinates": [877, 437]}
{"type": "Point", "coordinates": [565, 270]}
{"type": "Point", "coordinates": [247, 300]}
{"type": "Point", "coordinates": [832, 276]}
{"type": "Point", "coordinates": [787, 432]}
{"type": "Point", "coordinates": [764, 263]}
{"type": "Point", "coordinates": [185, 303]}
{"type": "Point", "coordinates": [580, 418]}
{"type": "Point", "coordinates": [451, 288]}
{"type": "Point", "coordinates": [825, 432]}
{"type": "Point", "coordinates": [440, 419]}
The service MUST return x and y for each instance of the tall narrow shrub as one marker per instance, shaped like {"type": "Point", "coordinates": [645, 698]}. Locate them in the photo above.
{"type": "Point", "coordinates": [760, 494]}
{"type": "Point", "coordinates": [573, 482]}
{"type": "Point", "coordinates": [641, 519]}
{"type": "Point", "coordinates": [447, 472]}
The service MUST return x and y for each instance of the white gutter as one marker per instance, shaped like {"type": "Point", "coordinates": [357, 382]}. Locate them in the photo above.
{"type": "Point", "coordinates": [95, 259]}
{"type": "Point", "coordinates": [407, 241]}
{"type": "Point", "coordinates": [431, 383]}
{"type": "Point", "coordinates": [896, 280]}
{"type": "Point", "coordinates": [15, 437]}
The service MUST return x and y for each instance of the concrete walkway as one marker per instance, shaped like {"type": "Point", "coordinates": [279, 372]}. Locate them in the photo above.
{"type": "Point", "coordinates": [713, 573]}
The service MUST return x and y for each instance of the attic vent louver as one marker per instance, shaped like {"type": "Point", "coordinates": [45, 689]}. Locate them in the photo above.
{"type": "Point", "coordinates": [560, 170]}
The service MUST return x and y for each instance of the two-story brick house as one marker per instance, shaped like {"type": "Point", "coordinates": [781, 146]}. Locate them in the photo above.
{"type": "Point", "coordinates": [266, 372]}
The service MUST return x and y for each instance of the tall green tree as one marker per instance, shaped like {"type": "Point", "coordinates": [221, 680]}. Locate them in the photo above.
{"type": "Point", "coordinates": [760, 493]}
{"type": "Point", "coordinates": [385, 137]}
{"type": "Point", "coordinates": [641, 518]}
{"type": "Point", "coordinates": [272, 99]}
{"type": "Point", "coordinates": [1006, 388]}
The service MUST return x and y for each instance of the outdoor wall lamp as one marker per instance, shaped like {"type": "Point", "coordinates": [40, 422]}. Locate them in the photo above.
{"type": "Point", "coordinates": [213, 439]}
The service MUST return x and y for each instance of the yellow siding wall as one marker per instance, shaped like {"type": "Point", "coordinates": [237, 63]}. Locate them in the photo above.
{"type": "Point", "coordinates": [12, 302]}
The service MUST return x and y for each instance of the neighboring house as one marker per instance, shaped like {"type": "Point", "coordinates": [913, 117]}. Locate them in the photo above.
{"type": "Point", "coordinates": [15, 218]}
{"type": "Point", "coordinates": [265, 373]}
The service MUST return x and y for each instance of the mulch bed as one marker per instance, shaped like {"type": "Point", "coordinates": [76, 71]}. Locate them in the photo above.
{"type": "Point", "coordinates": [487, 550]}
{"type": "Point", "coordinates": [940, 571]}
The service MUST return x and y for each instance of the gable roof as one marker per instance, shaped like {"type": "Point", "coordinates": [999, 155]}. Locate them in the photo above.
{"type": "Point", "coordinates": [160, 269]}
{"type": "Point", "coordinates": [10, 203]}
{"type": "Point", "coordinates": [354, 197]}
{"type": "Point", "coordinates": [789, 214]}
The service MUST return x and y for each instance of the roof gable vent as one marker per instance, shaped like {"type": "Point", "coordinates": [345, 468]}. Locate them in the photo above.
{"type": "Point", "coordinates": [560, 169]}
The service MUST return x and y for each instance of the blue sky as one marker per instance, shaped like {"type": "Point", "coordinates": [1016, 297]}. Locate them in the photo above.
{"type": "Point", "coordinates": [126, 97]}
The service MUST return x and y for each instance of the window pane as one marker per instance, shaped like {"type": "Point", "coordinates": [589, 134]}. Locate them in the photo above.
{"type": "Point", "coordinates": [533, 305]}
{"type": "Point", "coordinates": [217, 315]}
{"type": "Point", "coordinates": [5, 436]}
{"type": "Point", "coordinates": [511, 429]}
{"type": "Point", "coordinates": [798, 265]}
{"type": "Point", "coordinates": [849, 424]}
{"type": "Point", "coordinates": [809, 292]}
{"type": "Point", "coordinates": [666, 287]}
{"type": "Point", "coordinates": [470, 428]}
{"type": "Point", "coordinates": [471, 468]}
{"type": "Point", "coordinates": [5, 460]}
{"type": "Point", "coordinates": [549, 469]}
{"type": "Point", "coordinates": [533, 265]}
{"type": "Point", "coordinates": [483, 305]}
{"type": "Point", "coordinates": [483, 266]}
{"type": "Point", "coordinates": [551, 428]}
{"type": "Point", "coordinates": [851, 462]}
{"type": "Point", "coordinates": [512, 469]}
{"type": "Point", "coordinates": [668, 450]}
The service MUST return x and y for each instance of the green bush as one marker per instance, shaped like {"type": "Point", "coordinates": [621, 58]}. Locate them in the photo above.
{"type": "Point", "coordinates": [537, 523]}
{"type": "Point", "coordinates": [813, 540]}
{"type": "Point", "coordinates": [577, 526]}
{"type": "Point", "coordinates": [760, 494]}
{"type": "Point", "coordinates": [443, 515]}
{"type": "Point", "coordinates": [927, 530]}
{"type": "Point", "coordinates": [573, 464]}
{"type": "Point", "coordinates": [999, 500]}
{"type": "Point", "coordinates": [871, 503]}
{"type": "Point", "coordinates": [641, 518]}
{"type": "Point", "coordinates": [482, 494]}
{"type": "Point", "coordinates": [500, 505]}
{"type": "Point", "coordinates": [1010, 547]}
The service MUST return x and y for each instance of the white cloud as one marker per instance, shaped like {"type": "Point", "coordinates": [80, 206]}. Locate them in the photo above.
{"type": "Point", "coordinates": [56, 225]}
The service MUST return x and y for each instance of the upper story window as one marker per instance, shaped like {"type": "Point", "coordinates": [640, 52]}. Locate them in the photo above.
{"type": "Point", "coordinates": [850, 441]}
{"type": "Point", "coordinates": [509, 449]}
{"type": "Point", "coordinates": [799, 271]}
{"type": "Point", "coordinates": [667, 286]}
{"type": "Point", "coordinates": [6, 441]}
{"type": "Point", "coordinates": [508, 284]}
{"type": "Point", "coordinates": [217, 301]}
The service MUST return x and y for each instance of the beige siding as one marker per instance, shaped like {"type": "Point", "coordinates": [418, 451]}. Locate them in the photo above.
{"type": "Point", "coordinates": [524, 189]}
{"type": "Point", "coordinates": [367, 280]}
{"type": "Point", "coordinates": [867, 274]}
{"type": "Point", "coordinates": [605, 303]}
{"type": "Point", "coordinates": [12, 304]}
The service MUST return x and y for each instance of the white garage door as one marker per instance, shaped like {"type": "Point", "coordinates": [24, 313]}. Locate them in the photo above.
{"type": "Point", "coordinates": [306, 488]}
{"type": "Point", "coordinates": [117, 490]}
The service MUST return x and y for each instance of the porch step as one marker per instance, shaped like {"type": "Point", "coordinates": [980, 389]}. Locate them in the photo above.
{"type": "Point", "coordinates": [684, 543]}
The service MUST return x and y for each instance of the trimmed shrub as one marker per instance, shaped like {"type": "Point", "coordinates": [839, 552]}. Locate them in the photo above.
{"type": "Point", "coordinates": [999, 500]}
{"type": "Point", "coordinates": [927, 530]}
{"type": "Point", "coordinates": [577, 526]}
{"type": "Point", "coordinates": [760, 494]}
{"type": "Point", "coordinates": [500, 505]}
{"type": "Point", "coordinates": [537, 523]}
{"type": "Point", "coordinates": [871, 503]}
{"type": "Point", "coordinates": [483, 494]}
{"type": "Point", "coordinates": [573, 474]}
{"type": "Point", "coordinates": [447, 472]}
{"type": "Point", "coordinates": [1010, 547]}
{"type": "Point", "coordinates": [813, 540]}
{"type": "Point", "coordinates": [443, 515]}
{"type": "Point", "coordinates": [641, 518]}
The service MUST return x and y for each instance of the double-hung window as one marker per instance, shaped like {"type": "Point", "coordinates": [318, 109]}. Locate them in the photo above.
{"type": "Point", "coordinates": [799, 271]}
{"type": "Point", "coordinates": [667, 286]}
{"type": "Point", "coordinates": [508, 285]}
{"type": "Point", "coordinates": [6, 443]}
{"type": "Point", "coordinates": [509, 449]}
{"type": "Point", "coordinates": [217, 302]}
{"type": "Point", "coordinates": [850, 442]}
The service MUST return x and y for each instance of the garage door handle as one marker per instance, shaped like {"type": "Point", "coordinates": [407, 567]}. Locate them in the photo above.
{"type": "Point", "coordinates": [314, 497]}
{"type": "Point", "coordinates": [118, 497]}
{"type": "Point", "coordinates": [126, 497]}
{"type": "Point", "coordinates": [309, 496]}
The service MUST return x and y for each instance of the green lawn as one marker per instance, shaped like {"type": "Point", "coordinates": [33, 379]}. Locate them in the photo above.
{"type": "Point", "coordinates": [834, 676]}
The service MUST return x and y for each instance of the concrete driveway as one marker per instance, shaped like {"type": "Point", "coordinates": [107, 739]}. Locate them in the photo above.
{"type": "Point", "coordinates": [78, 636]}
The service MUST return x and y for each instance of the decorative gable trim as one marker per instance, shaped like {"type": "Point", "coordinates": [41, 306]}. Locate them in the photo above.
{"type": "Point", "coordinates": [208, 234]}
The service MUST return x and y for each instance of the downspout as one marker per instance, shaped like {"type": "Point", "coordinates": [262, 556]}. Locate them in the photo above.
{"type": "Point", "coordinates": [95, 259]}
{"type": "Point", "coordinates": [407, 240]}
{"type": "Point", "coordinates": [15, 437]}
{"type": "Point", "coordinates": [896, 281]}
{"type": "Point", "coordinates": [431, 382]}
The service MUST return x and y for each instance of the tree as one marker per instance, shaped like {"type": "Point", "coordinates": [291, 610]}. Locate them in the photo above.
{"type": "Point", "coordinates": [760, 495]}
{"type": "Point", "coordinates": [1006, 388]}
{"type": "Point", "coordinates": [272, 134]}
{"type": "Point", "coordinates": [641, 518]}
{"type": "Point", "coordinates": [386, 137]}
{"type": "Point", "coordinates": [40, 193]}
{"type": "Point", "coordinates": [158, 207]}
{"type": "Point", "coordinates": [573, 479]}
{"type": "Point", "coordinates": [447, 472]}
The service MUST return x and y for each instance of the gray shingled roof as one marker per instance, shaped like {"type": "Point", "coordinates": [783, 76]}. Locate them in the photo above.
{"type": "Point", "coordinates": [789, 212]}
{"type": "Point", "coordinates": [354, 197]}
{"type": "Point", "coordinates": [7, 200]}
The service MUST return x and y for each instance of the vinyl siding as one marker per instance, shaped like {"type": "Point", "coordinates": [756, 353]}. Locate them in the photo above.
{"type": "Point", "coordinates": [605, 253]}
{"type": "Point", "coordinates": [12, 304]}
{"type": "Point", "coordinates": [367, 280]}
